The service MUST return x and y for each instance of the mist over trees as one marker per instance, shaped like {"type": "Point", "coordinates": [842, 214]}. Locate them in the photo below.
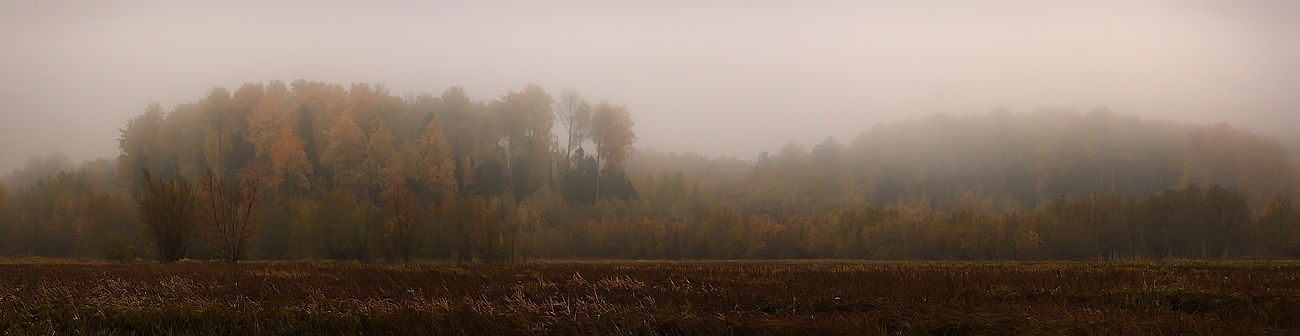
{"type": "Point", "coordinates": [320, 171]}
{"type": "Point", "coordinates": [1019, 161]}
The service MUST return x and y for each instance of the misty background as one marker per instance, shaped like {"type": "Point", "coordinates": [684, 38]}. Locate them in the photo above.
{"type": "Point", "coordinates": [723, 78]}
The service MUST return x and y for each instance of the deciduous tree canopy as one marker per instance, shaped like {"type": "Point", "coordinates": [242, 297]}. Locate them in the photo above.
{"type": "Point", "coordinates": [358, 173]}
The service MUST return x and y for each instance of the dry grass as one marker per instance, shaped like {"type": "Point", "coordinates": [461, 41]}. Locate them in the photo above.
{"type": "Point", "coordinates": [667, 298]}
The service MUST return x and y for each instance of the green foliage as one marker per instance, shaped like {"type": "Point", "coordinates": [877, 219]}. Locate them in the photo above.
{"type": "Point", "coordinates": [337, 227]}
{"type": "Point", "coordinates": [275, 240]}
{"type": "Point", "coordinates": [105, 215]}
{"type": "Point", "coordinates": [114, 248]}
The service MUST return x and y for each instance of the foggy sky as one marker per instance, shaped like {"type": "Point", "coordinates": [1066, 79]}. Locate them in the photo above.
{"type": "Point", "coordinates": [718, 78]}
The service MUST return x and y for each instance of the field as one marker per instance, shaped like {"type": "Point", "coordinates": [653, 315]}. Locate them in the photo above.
{"type": "Point", "coordinates": [667, 298]}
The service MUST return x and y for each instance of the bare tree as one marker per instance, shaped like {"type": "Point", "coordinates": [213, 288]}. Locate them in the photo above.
{"type": "Point", "coordinates": [231, 215]}
{"type": "Point", "coordinates": [167, 213]}
{"type": "Point", "coordinates": [575, 113]}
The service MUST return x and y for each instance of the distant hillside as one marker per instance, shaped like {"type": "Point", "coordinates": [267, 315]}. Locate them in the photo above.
{"type": "Point", "coordinates": [1018, 160]}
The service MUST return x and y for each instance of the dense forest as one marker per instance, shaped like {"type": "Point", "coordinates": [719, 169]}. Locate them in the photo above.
{"type": "Point", "coordinates": [328, 172]}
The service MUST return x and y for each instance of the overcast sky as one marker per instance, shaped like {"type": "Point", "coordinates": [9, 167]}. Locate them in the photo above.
{"type": "Point", "coordinates": [712, 77]}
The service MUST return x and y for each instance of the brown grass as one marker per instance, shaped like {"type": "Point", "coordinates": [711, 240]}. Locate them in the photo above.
{"type": "Point", "coordinates": [667, 298]}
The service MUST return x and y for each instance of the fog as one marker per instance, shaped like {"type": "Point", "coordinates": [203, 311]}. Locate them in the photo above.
{"type": "Point", "coordinates": [723, 78]}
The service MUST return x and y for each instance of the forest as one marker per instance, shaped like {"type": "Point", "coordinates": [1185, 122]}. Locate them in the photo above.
{"type": "Point", "coordinates": [318, 171]}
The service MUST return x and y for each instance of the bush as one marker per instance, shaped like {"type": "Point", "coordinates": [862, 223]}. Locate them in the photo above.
{"type": "Point", "coordinates": [167, 213]}
{"type": "Point", "coordinates": [114, 248]}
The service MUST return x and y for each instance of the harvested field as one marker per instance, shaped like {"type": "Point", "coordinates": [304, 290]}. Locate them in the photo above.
{"type": "Point", "coordinates": [666, 298]}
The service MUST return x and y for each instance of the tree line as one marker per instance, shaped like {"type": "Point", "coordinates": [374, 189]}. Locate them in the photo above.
{"type": "Point", "coordinates": [311, 170]}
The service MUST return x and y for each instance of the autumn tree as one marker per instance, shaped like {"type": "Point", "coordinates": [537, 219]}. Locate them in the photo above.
{"type": "Point", "coordinates": [1276, 229]}
{"type": "Point", "coordinates": [167, 213]}
{"type": "Point", "coordinates": [336, 227]}
{"type": "Point", "coordinates": [723, 234]}
{"type": "Point", "coordinates": [611, 130]}
{"type": "Point", "coordinates": [525, 219]}
{"type": "Point", "coordinates": [6, 218]}
{"type": "Point", "coordinates": [1227, 217]}
{"type": "Point", "coordinates": [468, 132]}
{"type": "Point", "coordinates": [472, 223]}
{"type": "Point", "coordinates": [318, 106]}
{"type": "Point", "coordinates": [107, 226]}
{"type": "Point", "coordinates": [183, 137]}
{"type": "Point", "coordinates": [345, 151]}
{"type": "Point", "coordinates": [431, 162]}
{"type": "Point", "coordinates": [275, 112]}
{"type": "Point", "coordinates": [139, 144]}
{"type": "Point", "coordinates": [458, 228]}
{"type": "Point", "coordinates": [224, 128]}
{"type": "Point", "coordinates": [361, 103]}
{"type": "Point", "coordinates": [526, 121]}
{"type": "Point", "coordinates": [489, 230]}
{"type": "Point", "coordinates": [401, 224]}
{"type": "Point", "coordinates": [51, 215]}
{"type": "Point", "coordinates": [1045, 184]}
{"type": "Point", "coordinates": [289, 161]}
